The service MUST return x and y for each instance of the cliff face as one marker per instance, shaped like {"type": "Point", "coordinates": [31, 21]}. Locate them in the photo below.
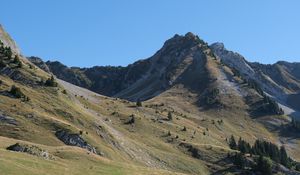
{"type": "Point", "coordinates": [280, 80]}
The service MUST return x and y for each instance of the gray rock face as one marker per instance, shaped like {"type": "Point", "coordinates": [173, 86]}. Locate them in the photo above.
{"type": "Point", "coordinates": [74, 140]}
{"type": "Point", "coordinates": [39, 63]}
{"type": "Point", "coordinates": [7, 119]}
{"type": "Point", "coordinates": [18, 76]}
{"type": "Point", "coordinates": [233, 59]}
{"type": "Point", "coordinates": [30, 149]}
{"type": "Point", "coordinates": [279, 80]}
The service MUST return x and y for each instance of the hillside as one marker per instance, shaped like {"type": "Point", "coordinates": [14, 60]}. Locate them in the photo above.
{"type": "Point", "coordinates": [280, 80]}
{"type": "Point", "coordinates": [191, 105]}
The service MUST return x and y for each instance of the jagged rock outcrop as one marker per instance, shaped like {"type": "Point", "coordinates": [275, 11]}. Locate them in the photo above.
{"type": "Point", "coordinates": [39, 63]}
{"type": "Point", "coordinates": [30, 149]}
{"type": "Point", "coordinates": [74, 140]}
{"type": "Point", "coordinates": [280, 80]}
{"type": "Point", "coordinates": [233, 59]}
{"type": "Point", "coordinates": [285, 75]}
{"type": "Point", "coordinates": [6, 119]}
{"type": "Point", "coordinates": [277, 79]}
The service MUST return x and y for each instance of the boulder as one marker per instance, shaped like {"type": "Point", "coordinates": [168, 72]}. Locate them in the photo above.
{"type": "Point", "coordinates": [74, 140]}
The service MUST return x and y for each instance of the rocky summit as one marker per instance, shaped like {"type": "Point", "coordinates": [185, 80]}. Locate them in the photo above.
{"type": "Point", "coordinates": [191, 108]}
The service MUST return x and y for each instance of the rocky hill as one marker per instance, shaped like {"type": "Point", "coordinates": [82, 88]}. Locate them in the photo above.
{"type": "Point", "coordinates": [279, 80]}
{"type": "Point", "coordinates": [190, 105]}
{"type": "Point", "coordinates": [182, 60]}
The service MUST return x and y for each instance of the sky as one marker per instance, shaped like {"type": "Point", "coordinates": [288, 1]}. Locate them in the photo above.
{"type": "Point", "coordinates": [86, 33]}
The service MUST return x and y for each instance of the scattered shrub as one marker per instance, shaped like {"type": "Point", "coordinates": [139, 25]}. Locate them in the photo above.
{"type": "Point", "coordinates": [131, 119]}
{"type": "Point", "coordinates": [212, 97]}
{"type": "Point", "coordinates": [138, 103]}
{"type": "Point", "coordinates": [16, 92]}
{"type": "Point", "coordinates": [17, 61]}
{"type": "Point", "coordinates": [232, 143]}
{"type": "Point", "coordinates": [295, 123]}
{"type": "Point", "coordinates": [170, 117]}
{"type": "Point", "coordinates": [51, 82]}
{"type": "Point", "coordinates": [2, 63]}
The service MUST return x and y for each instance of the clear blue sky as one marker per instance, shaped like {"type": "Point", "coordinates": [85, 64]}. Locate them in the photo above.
{"type": "Point", "coordinates": [118, 32]}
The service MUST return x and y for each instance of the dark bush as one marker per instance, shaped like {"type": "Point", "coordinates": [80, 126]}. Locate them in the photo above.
{"type": "Point", "coordinates": [239, 160]}
{"type": "Point", "coordinates": [232, 143]}
{"type": "Point", "coordinates": [2, 63]}
{"type": "Point", "coordinates": [17, 61]}
{"type": "Point", "coordinates": [51, 82]}
{"type": "Point", "coordinates": [131, 120]}
{"type": "Point", "coordinates": [212, 97]}
{"type": "Point", "coordinates": [170, 117]}
{"type": "Point", "coordinates": [295, 124]}
{"type": "Point", "coordinates": [16, 92]}
{"type": "Point", "coordinates": [138, 103]}
{"type": "Point", "coordinates": [264, 165]}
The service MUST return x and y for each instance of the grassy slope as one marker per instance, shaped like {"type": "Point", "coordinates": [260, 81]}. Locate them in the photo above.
{"type": "Point", "coordinates": [144, 145]}
{"type": "Point", "coordinates": [68, 160]}
{"type": "Point", "coordinates": [43, 114]}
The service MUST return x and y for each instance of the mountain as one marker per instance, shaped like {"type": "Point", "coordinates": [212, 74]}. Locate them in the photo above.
{"type": "Point", "coordinates": [182, 61]}
{"type": "Point", "coordinates": [143, 79]}
{"type": "Point", "coordinates": [279, 80]}
{"type": "Point", "coordinates": [190, 105]}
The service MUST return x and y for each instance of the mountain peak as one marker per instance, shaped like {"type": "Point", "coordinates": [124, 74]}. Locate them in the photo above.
{"type": "Point", "coordinates": [190, 34]}
{"type": "Point", "coordinates": [218, 46]}
{"type": "Point", "coordinates": [188, 40]}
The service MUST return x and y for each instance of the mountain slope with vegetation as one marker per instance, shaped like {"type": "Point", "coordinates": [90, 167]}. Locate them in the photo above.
{"type": "Point", "coordinates": [188, 106]}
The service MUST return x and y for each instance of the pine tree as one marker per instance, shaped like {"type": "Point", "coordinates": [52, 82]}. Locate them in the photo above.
{"type": "Point", "coordinates": [170, 117]}
{"type": "Point", "coordinates": [232, 143]}
{"type": "Point", "coordinates": [273, 152]}
{"type": "Point", "coordinates": [295, 124]}
{"type": "Point", "coordinates": [138, 103]}
{"type": "Point", "coordinates": [264, 165]}
{"type": "Point", "coordinates": [51, 82]}
{"type": "Point", "coordinates": [241, 145]}
{"type": "Point", "coordinates": [16, 92]}
{"type": "Point", "coordinates": [284, 159]}
{"type": "Point", "coordinates": [239, 160]}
